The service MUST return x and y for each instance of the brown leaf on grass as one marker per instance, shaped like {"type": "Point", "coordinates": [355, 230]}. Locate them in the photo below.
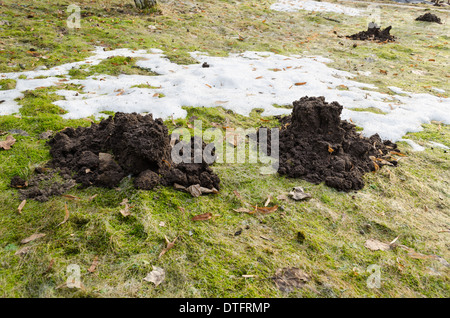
{"type": "Point", "coordinates": [202, 217]}
{"type": "Point", "coordinates": [66, 216]}
{"type": "Point", "coordinates": [125, 211]}
{"type": "Point", "coordinates": [376, 245]}
{"type": "Point", "coordinates": [156, 276]}
{"type": "Point", "coordinates": [24, 250]}
{"type": "Point", "coordinates": [266, 210]}
{"type": "Point", "coordinates": [195, 190]}
{"type": "Point", "coordinates": [7, 143]}
{"type": "Point", "coordinates": [94, 265]}
{"type": "Point", "coordinates": [21, 206]}
{"type": "Point", "coordinates": [32, 238]}
{"type": "Point", "coordinates": [282, 197]}
{"type": "Point", "coordinates": [288, 279]}
{"type": "Point", "coordinates": [269, 197]}
{"type": "Point", "coordinates": [93, 197]}
{"type": "Point", "coordinates": [168, 247]}
{"type": "Point", "coordinates": [49, 267]}
{"type": "Point", "coordinates": [243, 210]}
{"type": "Point", "coordinates": [298, 194]}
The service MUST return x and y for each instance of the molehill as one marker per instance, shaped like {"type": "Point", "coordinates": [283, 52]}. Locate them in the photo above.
{"type": "Point", "coordinates": [317, 146]}
{"type": "Point", "coordinates": [126, 144]}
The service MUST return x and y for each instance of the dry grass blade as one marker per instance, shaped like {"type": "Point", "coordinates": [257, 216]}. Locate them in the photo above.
{"type": "Point", "coordinates": [66, 216]}
{"type": "Point", "coordinates": [32, 238]}
{"type": "Point", "coordinates": [168, 247]}
{"type": "Point", "coordinates": [21, 206]}
{"type": "Point", "coordinates": [202, 217]}
{"type": "Point", "coordinates": [94, 265]}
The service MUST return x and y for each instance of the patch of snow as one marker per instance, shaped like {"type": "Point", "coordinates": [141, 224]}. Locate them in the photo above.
{"type": "Point", "coordinates": [239, 82]}
{"type": "Point", "coordinates": [296, 5]}
{"type": "Point", "coordinates": [415, 146]}
{"type": "Point", "coordinates": [436, 144]}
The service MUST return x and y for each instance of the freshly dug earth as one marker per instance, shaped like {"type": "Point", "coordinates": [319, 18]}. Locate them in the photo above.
{"type": "Point", "coordinates": [126, 144]}
{"type": "Point", "coordinates": [374, 34]}
{"type": "Point", "coordinates": [316, 145]}
{"type": "Point", "coordinates": [429, 17]}
{"type": "Point", "coordinates": [44, 184]}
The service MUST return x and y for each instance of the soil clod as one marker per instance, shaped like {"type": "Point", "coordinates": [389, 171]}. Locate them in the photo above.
{"type": "Point", "coordinates": [374, 33]}
{"type": "Point", "coordinates": [429, 17]}
{"type": "Point", "coordinates": [127, 144]}
{"type": "Point", "coordinates": [317, 146]}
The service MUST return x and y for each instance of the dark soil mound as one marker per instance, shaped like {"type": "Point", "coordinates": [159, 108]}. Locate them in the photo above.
{"type": "Point", "coordinates": [126, 144]}
{"type": "Point", "coordinates": [429, 17]}
{"type": "Point", "coordinates": [316, 145]}
{"type": "Point", "coordinates": [374, 34]}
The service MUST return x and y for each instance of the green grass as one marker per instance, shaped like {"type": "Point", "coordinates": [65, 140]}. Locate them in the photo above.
{"type": "Point", "coordinates": [410, 201]}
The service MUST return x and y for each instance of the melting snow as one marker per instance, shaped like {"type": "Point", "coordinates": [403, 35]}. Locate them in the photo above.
{"type": "Point", "coordinates": [295, 5]}
{"type": "Point", "coordinates": [239, 82]}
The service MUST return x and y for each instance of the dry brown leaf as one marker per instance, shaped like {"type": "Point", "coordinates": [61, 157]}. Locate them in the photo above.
{"type": "Point", "coordinates": [21, 206]}
{"type": "Point", "coordinates": [156, 276]}
{"type": "Point", "coordinates": [298, 194]}
{"type": "Point", "coordinates": [94, 265]}
{"type": "Point", "coordinates": [376, 245]}
{"type": "Point", "coordinates": [7, 143]}
{"type": "Point", "coordinates": [125, 211]}
{"type": "Point", "coordinates": [269, 197]}
{"type": "Point", "coordinates": [288, 279]}
{"type": "Point", "coordinates": [93, 197]}
{"type": "Point", "coordinates": [71, 197]}
{"type": "Point", "coordinates": [300, 83]}
{"type": "Point", "coordinates": [202, 217]}
{"type": "Point", "coordinates": [243, 210]}
{"type": "Point", "coordinates": [168, 247]}
{"type": "Point", "coordinates": [32, 238]}
{"type": "Point", "coordinates": [24, 250]}
{"type": "Point", "coordinates": [66, 216]}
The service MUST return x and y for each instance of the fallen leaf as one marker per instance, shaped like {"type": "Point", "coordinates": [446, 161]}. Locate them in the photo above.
{"type": "Point", "coordinates": [7, 143]}
{"type": "Point", "coordinates": [49, 267]}
{"type": "Point", "coordinates": [330, 150]}
{"type": "Point", "coordinates": [66, 216]}
{"type": "Point", "coordinates": [94, 265]}
{"type": "Point", "coordinates": [376, 245]}
{"type": "Point", "coordinates": [156, 276]}
{"type": "Point", "coordinates": [268, 200]}
{"type": "Point", "coordinates": [32, 238]}
{"type": "Point", "coordinates": [243, 210]}
{"type": "Point", "coordinates": [288, 279]}
{"type": "Point", "coordinates": [196, 190]}
{"type": "Point", "coordinates": [24, 250]}
{"type": "Point", "coordinates": [300, 83]}
{"type": "Point", "coordinates": [21, 206]}
{"type": "Point", "coordinates": [168, 247]}
{"type": "Point", "coordinates": [93, 197]}
{"type": "Point", "coordinates": [299, 194]}
{"type": "Point", "coordinates": [202, 217]}
{"type": "Point", "coordinates": [125, 211]}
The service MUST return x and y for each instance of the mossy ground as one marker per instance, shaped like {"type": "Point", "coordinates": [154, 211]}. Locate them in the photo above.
{"type": "Point", "coordinates": [411, 201]}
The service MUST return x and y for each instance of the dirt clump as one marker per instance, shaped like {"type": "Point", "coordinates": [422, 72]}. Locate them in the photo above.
{"type": "Point", "coordinates": [429, 17]}
{"type": "Point", "coordinates": [374, 33]}
{"type": "Point", "coordinates": [46, 183]}
{"type": "Point", "coordinates": [126, 144]}
{"type": "Point", "coordinates": [317, 146]}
